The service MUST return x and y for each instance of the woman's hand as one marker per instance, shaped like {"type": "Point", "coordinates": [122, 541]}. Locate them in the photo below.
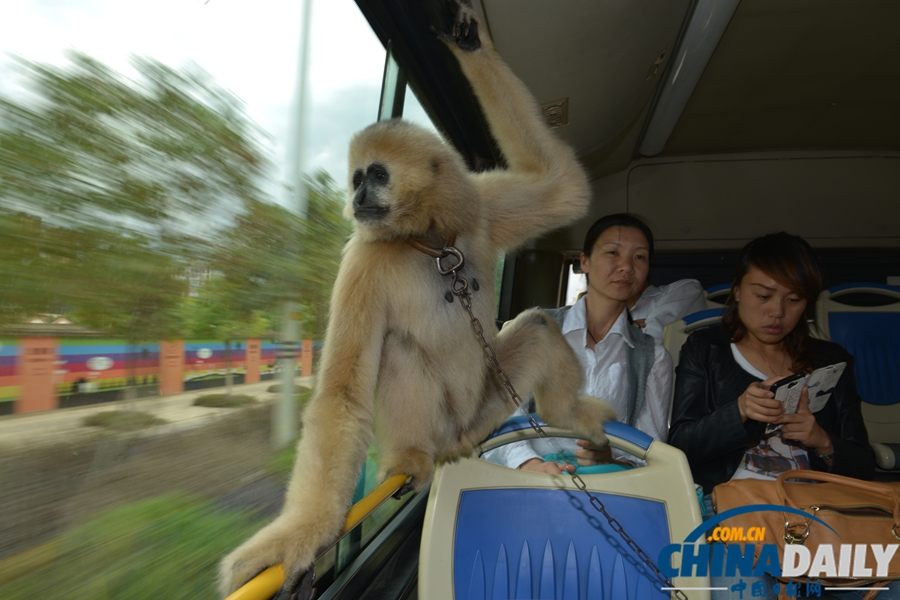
{"type": "Point", "coordinates": [591, 455]}
{"type": "Point", "coordinates": [759, 404]}
{"type": "Point", "coordinates": [539, 466]}
{"type": "Point", "coordinates": [802, 427]}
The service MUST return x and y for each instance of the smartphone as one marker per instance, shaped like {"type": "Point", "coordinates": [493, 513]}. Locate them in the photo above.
{"type": "Point", "coordinates": [787, 391]}
{"type": "Point", "coordinates": [821, 383]}
{"type": "Point", "coordinates": [785, 388]}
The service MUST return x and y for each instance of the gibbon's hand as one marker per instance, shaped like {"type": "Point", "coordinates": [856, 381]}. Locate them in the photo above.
{"type": "Point", "coordinates": [802, 427]}
{"type": "Point", "coordinates": [759, 404]}
{"type": "Point", "coordinates": [464, 32]}
{"type": "Point", "coordinates": [591, 454]}
{"type": "Point", "coordinates": [539, 466]}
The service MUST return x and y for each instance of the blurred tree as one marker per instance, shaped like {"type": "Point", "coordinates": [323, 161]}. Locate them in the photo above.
{"type": "Point", "coordinates": [125, 285]}
{"type": "Point", "coordinates": [324, 234]}
{"type": "Point", "coordinates": [110, 188]}
{"type": "Point", "coordinates": [224, 311]}
{"type": "Point", "coordinates": [30, 257]}
{"type": "Point", "coordinates": [107, 186]}
{"type": "Point", "coordinates": [271, 255]}
{"type": "Point", "coordinates": [96, 148]}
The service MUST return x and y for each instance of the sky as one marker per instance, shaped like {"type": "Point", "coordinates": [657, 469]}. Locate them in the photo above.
{"type": "Point", "coordinates": [250, 48]}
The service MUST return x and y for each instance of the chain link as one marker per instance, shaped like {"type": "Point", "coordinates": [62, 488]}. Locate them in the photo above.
{"type": "Point", "coordinates": [460, 288]}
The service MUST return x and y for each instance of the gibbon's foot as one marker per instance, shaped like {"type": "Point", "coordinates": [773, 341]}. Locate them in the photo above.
{"type": "Point", "coordinates": [463, 450]}
{"type": "Point", "coordinates": [404, 490]}
{"type": "Point", "coordinates": [464, 32]}
{"type": "Point", "coordinates": [284, 541]}
{"type": "Point", "coordinates": [416, 464]}
{"type": "Point", "coordinates": [303, 590]}
{"type": "Point", "coordinates": [596, 413]}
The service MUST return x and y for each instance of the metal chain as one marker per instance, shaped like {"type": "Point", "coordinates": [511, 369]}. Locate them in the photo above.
{"type": "Point", "coordinates": [460, 288]}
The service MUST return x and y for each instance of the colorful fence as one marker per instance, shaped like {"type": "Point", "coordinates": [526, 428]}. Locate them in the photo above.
{"type": "Point", "coordinates": [9, 382]}
{"type": "Point", "coordinates": [43, 372]}
{"type": "Point", "coordinates": [96, 364]}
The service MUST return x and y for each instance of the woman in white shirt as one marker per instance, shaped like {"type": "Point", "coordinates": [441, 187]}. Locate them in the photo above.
{"type": "Point", "coordinates": [616, 260]}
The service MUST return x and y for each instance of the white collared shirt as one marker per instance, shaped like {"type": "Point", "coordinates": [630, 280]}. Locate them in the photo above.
{"type": "Point", "coordinates": [659, 306]}
{"type": "Point", "coordinates": [606, 377]}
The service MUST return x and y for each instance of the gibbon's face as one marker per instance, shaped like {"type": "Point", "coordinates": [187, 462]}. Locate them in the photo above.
{"type": "Point", "coordinates": [768, 310]}
{"type": "Point", "coordinates": [370, 193]}
{"type": "Point", "coordinates": [404, 180]}
{"type": "Point", "coordinates": [619, 263]}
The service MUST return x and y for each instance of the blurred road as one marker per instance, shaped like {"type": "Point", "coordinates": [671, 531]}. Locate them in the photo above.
{"type": "Point", "coordinates": [51, 426]}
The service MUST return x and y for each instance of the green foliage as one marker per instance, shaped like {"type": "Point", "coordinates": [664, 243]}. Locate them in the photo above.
{"type": "Point", "coordinates": [166, 547]}
{"type": "Point", "coordinates": [170, 145]}
{"type": "Point", "coordinates": [224, 311]}
{"type": "Point", "coordinates": [122, 420]}
{"type": "Point", "coordinates": [112, 187]}
{"type": "Point", "coordinates": [101, 178]}
{"type": "Point", "coordinates": [324, 235]}
{"type": "Point", "coordinates": [224, 400]}
{"type": "Point", "coordinates": [272, 255]}
{"type": "Point", "coordinates": [124, 286]}
{"type": "Point", "coordinates": [281, 464]}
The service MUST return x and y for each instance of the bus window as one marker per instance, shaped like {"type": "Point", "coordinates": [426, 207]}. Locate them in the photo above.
{"type": "Point", "coordinates": [576, 285]}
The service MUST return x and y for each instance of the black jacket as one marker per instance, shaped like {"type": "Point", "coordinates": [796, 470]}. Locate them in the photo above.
{"type": "Point", "coordinates": [706, 421]}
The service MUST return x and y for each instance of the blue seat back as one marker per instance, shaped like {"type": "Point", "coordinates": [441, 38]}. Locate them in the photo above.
{"type": "Point", "coordinates": [873, 338]}
{"type": "Point", "coordinates": [717, 295]}
{"type": "Point", "coordinates": [677, 332]}
{"type": "Point", "coordinates": [870, 331]}
{"type": "Point", "coordinates": [527, 543]}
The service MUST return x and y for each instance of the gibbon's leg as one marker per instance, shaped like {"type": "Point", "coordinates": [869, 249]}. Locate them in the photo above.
{"type": "Point", "coordinates": [539, 361]}
{"type": "Point", "coordinates": [545, 186]}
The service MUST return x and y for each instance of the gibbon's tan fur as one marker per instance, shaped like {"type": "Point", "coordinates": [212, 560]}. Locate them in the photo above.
{"type": "Point", "coordinates": [398, 357]}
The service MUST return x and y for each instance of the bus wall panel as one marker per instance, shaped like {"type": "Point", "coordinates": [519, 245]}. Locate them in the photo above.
{"type": "Point", "coordinates": [722, 203]}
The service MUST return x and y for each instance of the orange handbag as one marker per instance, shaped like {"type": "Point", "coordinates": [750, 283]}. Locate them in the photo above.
{"type": "Point", "coordinates": [859, 512]}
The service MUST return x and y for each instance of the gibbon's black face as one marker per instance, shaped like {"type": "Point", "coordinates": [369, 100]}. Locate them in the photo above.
{"type": "Point", "coordinates": [370, 198]}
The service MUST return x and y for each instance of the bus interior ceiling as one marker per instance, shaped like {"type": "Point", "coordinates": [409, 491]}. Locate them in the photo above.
{"type": "Point", "coordinates": [715, 120]}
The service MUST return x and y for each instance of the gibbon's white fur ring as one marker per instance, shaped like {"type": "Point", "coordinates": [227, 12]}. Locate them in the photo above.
{"type": "Point", "coordinates": [399, 359]}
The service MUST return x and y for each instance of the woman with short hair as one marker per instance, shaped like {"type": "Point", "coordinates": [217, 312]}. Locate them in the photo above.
{"type": "Point", "coordinates": [722, 403]}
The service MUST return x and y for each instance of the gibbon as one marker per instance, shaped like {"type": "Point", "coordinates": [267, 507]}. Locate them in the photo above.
{"type": "Point", "coordinates": [400, 355]}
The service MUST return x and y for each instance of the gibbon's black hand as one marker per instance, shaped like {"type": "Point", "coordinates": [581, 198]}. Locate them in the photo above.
{"type": "Point", "coordinates": [464, 32]}
{"type": "Point", "coordinates": [301, 590]}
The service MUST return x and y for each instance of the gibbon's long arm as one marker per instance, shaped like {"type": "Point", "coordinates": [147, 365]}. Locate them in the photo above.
{"type": "Point", "coordinates": [337, 426]}
{"type": "Point", "coordinates": [337, 430]}
{"type": "Point", "coordinates": [545, 186]}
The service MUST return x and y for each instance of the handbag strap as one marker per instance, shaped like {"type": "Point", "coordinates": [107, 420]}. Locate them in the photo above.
{"type": "Point", "coordinates": [869, 486]}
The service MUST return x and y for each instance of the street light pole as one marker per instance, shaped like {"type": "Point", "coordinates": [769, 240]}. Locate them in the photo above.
{"type": "Point", "coordinates": [284, 418]}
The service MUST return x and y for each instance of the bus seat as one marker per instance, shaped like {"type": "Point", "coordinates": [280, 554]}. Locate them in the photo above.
{"type": "Point", "coordinates": [717, 295]}
{"type": "Point", "coordinates": [677, 332]}
{"type": "Point", "coordinates": [864, 318]}
{"type": "Point", "coordinates": [493, 532]}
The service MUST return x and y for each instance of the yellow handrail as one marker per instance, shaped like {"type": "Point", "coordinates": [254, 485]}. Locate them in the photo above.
{"type": "Point", "coordinates": [264, 585]}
